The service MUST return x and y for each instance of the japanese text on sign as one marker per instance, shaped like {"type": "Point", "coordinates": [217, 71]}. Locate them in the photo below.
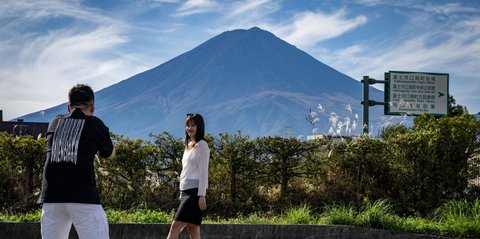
{"type": "Point", "coordinates": [416, 93]}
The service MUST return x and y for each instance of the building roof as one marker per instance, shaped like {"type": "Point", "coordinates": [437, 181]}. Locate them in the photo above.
{"type": "Point", "coordinates": [24, 128]}
{"type": "Point", "coordinates": [35, 129]}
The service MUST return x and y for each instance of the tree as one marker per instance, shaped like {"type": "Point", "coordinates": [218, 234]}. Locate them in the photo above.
{"type": "Point", "coordinates": [234, 153]}
{"type": "Point", "coordinates": [360, 169]}
{"type": "Point", "coordinates": [168, 160]}
{"type": "Point", "coordinates": [454, 108]}
{"type": "Point", "coordinates": [435, 156]}
{"type": "Point", "coordinates": [283, 159]}
{"type": "Point", "coordinates": [21, 161]}
{"type": "Point", "coordinates": [126, 180]}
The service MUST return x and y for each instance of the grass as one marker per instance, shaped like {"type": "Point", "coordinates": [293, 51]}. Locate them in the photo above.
{"type": "Point", "coordinates": [27, 217]}
{"type": "Point", "coordinates": [459, 217]}
{"type": "Point", "coordinates": [453, 219]}
{"type": "Point", "coordinates": [342, 215]}
{"type": "Point", "coordinates": [138, 216]}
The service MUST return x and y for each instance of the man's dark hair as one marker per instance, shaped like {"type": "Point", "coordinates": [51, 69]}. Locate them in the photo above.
{"type": "Point", "coordinates": [80, 96]}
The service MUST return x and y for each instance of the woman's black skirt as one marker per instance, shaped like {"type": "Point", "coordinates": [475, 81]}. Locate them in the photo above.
{"type": "Point", "coordinates": [189, 211]}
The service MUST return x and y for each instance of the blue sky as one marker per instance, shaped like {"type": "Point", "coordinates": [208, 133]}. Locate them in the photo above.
{"type": "Point", "coordinates": [46, 46]}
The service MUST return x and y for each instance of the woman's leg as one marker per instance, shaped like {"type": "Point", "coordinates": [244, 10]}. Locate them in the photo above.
{"type": "Point", "coordinates": [175, 229]}
{"type": "Point", "coordinates": [193, 231]}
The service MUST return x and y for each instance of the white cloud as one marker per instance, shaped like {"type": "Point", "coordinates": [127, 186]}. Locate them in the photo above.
{"type": "Point", "coordinates": [304, 29]}
{"type": "Point", "coordinates": [370, 2]}
{"type": "Point", "coordinates": [349, 51]}
{"type": "Point", "coordinates": [449, 8]}
{"type": "Point", "coordinates": [40, 66]}
{"type": "Point", "coordinates": [250, 6]}
{"type": "Point", "coordinates": [48, 66]}
{"type": "Point", "coordinates": [23, 11]}
{"type": "Point", "coordinates": [456, 51]}
{"type": "Point", "coordinates": [308, 28]}
{"type": "Point", "coordinates": [164, 1]}
{"type": "Point", "coordinates": [192, 7]}
{"type": "Point", "coordinates": [245, 15]}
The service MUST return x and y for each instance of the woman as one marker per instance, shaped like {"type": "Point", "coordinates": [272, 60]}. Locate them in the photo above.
{"type": "Point", "coordinates": [193, 179]}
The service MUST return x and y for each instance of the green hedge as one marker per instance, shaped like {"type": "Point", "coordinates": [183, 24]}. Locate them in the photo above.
{"type": "Point", "coordinates": [417, 169]}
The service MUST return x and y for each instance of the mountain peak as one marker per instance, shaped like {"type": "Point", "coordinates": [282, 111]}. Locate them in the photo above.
{"type": "Point", "coordinates": [253, 34]}
{"type": "Point", "coordinates": [257, 29]}
{"type": "Point", "coordinates": [252, 29]}
{"type": "Point", "coordinates": [247, 80]}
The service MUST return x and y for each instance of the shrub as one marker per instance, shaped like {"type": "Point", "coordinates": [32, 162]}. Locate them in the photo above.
{"type": "Point", "coordinates": [298, 215]}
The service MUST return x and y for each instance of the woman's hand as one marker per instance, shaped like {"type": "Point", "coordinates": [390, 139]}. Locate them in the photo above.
{"type": "Point", "coordinates": [202, 203]}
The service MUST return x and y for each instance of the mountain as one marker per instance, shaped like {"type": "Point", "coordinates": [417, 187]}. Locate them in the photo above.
{"type": "Point", "coordinates": [247, 80]}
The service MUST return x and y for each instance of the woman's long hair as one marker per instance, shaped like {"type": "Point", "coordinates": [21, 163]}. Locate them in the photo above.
{"type": "Point", "coordinates": [200, 123]}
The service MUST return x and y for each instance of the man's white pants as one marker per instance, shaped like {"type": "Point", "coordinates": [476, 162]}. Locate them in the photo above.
{"type": "Point", "coordinates": [90, 220]}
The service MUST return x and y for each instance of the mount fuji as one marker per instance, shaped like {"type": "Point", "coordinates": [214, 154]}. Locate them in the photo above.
{"type": "Point", "coordinates": [247, 80]}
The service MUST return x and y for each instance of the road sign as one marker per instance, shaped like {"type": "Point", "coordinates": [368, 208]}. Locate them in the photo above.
{"type": "Point", "coordinates": [416, 93]}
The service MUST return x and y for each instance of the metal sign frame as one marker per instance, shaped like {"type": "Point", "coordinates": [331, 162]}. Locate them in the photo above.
{"type": "Point", "coordinates": [416, 93]}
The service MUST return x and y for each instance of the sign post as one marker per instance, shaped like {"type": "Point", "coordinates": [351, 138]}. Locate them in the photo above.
{"type": "Point", "coordinates": [409, 93]}
{"type": "Point", "coordinates": [416, 93]}
{"type": "Point", "coordinates": [366, 102]}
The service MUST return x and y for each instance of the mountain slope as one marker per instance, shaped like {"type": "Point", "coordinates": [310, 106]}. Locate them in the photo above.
{"type": "Point", "coordinates": [246, 80]}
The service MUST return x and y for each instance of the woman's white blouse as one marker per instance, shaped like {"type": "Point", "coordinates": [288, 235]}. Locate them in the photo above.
{"type": "Point", "coordinates": [195, 168]}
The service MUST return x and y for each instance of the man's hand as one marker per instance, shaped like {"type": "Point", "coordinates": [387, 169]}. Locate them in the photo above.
{"type": "Point", "coordinates": [112, 155]}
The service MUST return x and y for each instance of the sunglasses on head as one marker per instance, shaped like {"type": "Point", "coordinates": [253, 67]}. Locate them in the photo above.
{"type": "Point", "coordinates": [191, 114]}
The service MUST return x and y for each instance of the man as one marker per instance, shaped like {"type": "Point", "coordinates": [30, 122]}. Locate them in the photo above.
{"type": "Point", "coordinates": [69, 192]}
